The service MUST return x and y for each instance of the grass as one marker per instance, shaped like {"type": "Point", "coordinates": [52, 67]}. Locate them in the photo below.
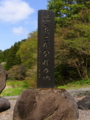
{"type": "Point", "coordinates": [14, 87]}
{"type": "Point", "coordinates": [77, 84]}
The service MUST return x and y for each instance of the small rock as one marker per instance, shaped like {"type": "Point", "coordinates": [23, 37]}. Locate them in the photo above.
{"type": "Point", "coordinates": [4, 104]}
{"type": "Point", "coordinates": [84, 104]}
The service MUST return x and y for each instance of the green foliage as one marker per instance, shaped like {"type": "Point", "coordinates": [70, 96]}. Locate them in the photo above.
{"type": "Point", "coordinates": [16, 83]}
{"type": "Point", "coordinates": [13, 59]}
{"type": "Point", "coordinates": [5, 55]}
{"type": "Point", "coordinates": [17, 72]}
{"type": "Point", "coordinates": [66, 10]}
{"type": "Point", "coordinates": [20, 59]}
{"type": "Point", "coordinates": [72, 39]}
{"type": "Point", "coordinates": [14, 88]}
{"type": "Point", "coordinates": [65, 74]}
{"type": "Point", "coordinates": [31, 77]}
{"type": "Point", "coordinates": [60, 74]}
{"type": "Point", "coordinates": [28, 50]}
{"type": "Point", "coordinates": [73, 47]}
{"type": "Point", "coordinates": [1, 56]}
{"type": "Point", "coordinates": [9, 56]}
{"type": "Point", "coordinates": [76, 84]}
{"type": "Point", "coordinates": [11, 92]}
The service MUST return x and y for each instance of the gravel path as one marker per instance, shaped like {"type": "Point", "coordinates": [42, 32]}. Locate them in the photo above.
{"type": "Point", "coordinates": [77, 94]}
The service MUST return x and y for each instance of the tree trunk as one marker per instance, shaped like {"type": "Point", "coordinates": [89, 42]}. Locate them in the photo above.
{"type": "Point", "coordinates": [80, 75]}
{"type": "Point", "coordinates": [84, 72]}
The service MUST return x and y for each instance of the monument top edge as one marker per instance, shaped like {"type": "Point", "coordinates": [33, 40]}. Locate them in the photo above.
{"type": "Point", "coordinates": [45, 10]}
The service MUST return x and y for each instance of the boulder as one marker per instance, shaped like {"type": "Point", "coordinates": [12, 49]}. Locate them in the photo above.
{"type": "Point", "coordinates": [3, 77]}
{"type": "Point", "coordinates": [45, 104]}
{"type": "Point", "coordinates": [4, 104]}
{"type": "Point", "coordinates": [84, 104]}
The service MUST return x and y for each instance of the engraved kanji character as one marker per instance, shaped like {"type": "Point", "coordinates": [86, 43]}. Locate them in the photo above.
{"type": "Point", "coordinates": [46, 17]}
{"type": "Point", "coordinates": [46, 53]}
{"type": "Point", "coordinates": [46, 70]}
{"type": "Point", "coordinates": [46, 78]}
{"type": "Point", "coordinates": [46, 28]}
{"type": "Point", "coordinates": [46, 62]}
{"type": "Point", "coordinates": [46, 36]}
{"type": "Point", "coordinates": [45, 45]}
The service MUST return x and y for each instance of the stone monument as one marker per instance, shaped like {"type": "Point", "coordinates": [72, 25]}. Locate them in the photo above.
{"type": "Point", "coordinates": [45, 49]}
{"type": "Point", "coordinates": [46, 102]}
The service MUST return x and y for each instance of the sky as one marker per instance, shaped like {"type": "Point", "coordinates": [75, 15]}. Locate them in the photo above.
{"type": "Point", "coordinates": [18, 18]}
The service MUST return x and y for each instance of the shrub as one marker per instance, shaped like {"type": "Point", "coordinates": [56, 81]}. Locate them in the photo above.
{"type": "Point", "coordinates": [31, 76]}
{"type": "Point", "coordinates": [17, 72]}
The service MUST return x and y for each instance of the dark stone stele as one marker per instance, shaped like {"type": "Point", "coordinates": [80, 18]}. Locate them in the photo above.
{"type": "Point", "coordinates": [45, 74]}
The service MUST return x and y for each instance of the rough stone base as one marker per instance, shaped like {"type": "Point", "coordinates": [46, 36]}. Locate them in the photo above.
{"type": "Point", "coordinates": [45, 104]}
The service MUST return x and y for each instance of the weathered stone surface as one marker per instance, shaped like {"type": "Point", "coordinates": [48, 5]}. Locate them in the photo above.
{"type": "Point", "coordinates": [45, 104]}
{"type": "Point", "coordinates": [4, 104]}
{"type": "Point", "coordinates": [84, 104]}
{"type": "Point", "coordinates": [3, 77]}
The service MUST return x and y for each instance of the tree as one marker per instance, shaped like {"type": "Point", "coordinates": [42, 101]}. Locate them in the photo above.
{"type": "Point", "coordinates": [72, 39]}
{"type": "Point", "coordinates": [28, 50]}
{"type": "Point", "coordinates": [5, 54]}
{"type": "Point", "coordinates": [17, 72]}
{"type": "Point", "coordinates": [12, 58]}
{"type": "Point", "coordinates": [73, 47]}
{"type": "Point", "coordinates": [1, 56]}
{"type": "Point", "coordinates": [66, 10]}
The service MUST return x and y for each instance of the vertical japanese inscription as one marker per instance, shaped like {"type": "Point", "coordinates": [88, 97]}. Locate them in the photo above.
{"type": "Point", "coordinates": [45, 49]}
